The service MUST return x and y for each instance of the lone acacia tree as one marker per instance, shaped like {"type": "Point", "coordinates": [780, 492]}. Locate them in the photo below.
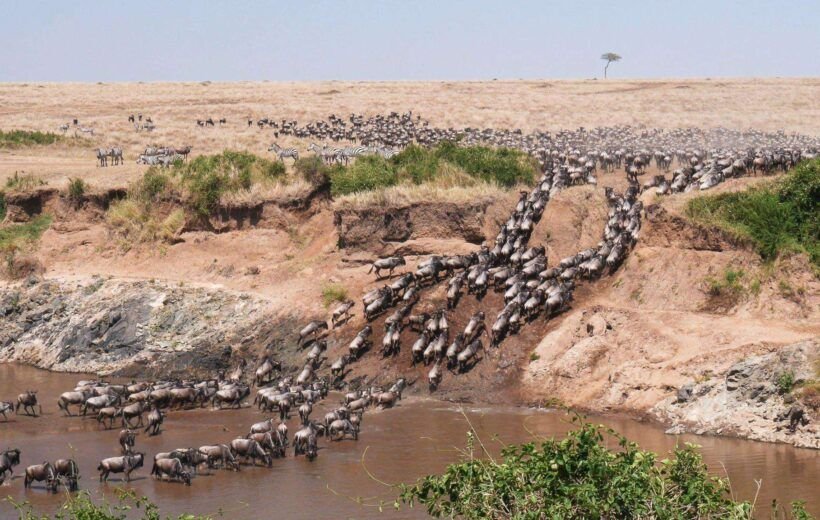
{"type": "Point", "coordinates": [609, 57]}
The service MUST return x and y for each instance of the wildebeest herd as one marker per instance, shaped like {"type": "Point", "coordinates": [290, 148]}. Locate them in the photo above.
{"type": "Point", "coordinates": [145, 404]}
{"type": "Point", "coordinates": [532, 286]}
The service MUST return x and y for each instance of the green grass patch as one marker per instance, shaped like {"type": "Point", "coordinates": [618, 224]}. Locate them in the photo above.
{"type": "Point", "coordinates": [785, 382]}
{"type": "Point", "coordinates": [729, 283]}
{"type": "Point", "coordinates": [447, 164]}
{"type": "Point", "coordinates": [23, 182]}
{"type": "Point", "coordinates": [21, 238]}
{"type": "Point", "coordinates": [21, 138]}
{"type": "Point", "coordinates": [779, 217]}
{"type": "Point", "coordinates": [77, 189]}
{"type": "Point", "coordinates": [333, 292]}
{"type": "Point", "coordinates": [593, 473]}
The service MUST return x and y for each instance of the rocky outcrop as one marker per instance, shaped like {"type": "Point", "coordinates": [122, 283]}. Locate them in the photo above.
{"type": "Point", "coordinates": [136, 327]}
{"type": "Point", "coordinates": [752, 399]}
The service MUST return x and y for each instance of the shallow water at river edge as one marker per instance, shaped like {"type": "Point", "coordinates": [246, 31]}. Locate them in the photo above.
{"type": "Point", "coordinates": [399, 445]}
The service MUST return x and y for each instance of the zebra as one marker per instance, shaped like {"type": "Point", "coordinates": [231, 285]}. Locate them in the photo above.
{"type": "Point", "coordinates": [284, 152]}
{"type": "Point", "coordinates": [328, 154]}
{"type": "Point", "coordinates": [116, 156]}
{"type": "Point", "coordinates": [387, 153]}
{"type": "Point", "coordinates": [351, 152]}
{"type": "Point", "coordinates": [102, 156]}
{"type": "Point", "coordinates": [64, 128]}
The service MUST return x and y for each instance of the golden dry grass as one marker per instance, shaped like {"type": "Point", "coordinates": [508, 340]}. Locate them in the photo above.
{"type": "Point", "coordinates": [766, 104]}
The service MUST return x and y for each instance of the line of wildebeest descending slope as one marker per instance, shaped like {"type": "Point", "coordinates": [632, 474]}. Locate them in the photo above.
{"type": "Point", "coordinates": [530, 287]}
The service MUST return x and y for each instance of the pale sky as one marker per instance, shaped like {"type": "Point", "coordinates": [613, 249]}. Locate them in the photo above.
{"type": "Point", "coordinates": [183, 40]}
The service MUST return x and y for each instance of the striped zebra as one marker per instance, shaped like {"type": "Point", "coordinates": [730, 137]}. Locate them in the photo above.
{"type": "Point", "coordinates": [351, 152]}
{"type": "Point", "coordinates": [387, 153]}
{"type": "Point", "coordinates": [284, 152]}
{"type": "Point", "coordinates": [328, 154]}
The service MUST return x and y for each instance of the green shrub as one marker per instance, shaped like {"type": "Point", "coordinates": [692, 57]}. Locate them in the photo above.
{"type": "Point", "coordinates": [578, 477]}
{"type": "Point", "coordinates": [76, 189]}
{"type": "Point", "coordinates": [17, 138]}
{"type": "Point", "coordinates": [23, 182]}
{"type": "Point", "coordinates": [778, 217]}
{"type": "Point", "coordinates": [503, 166]}
{"type": "Point", "coordinates": [2, 206]}
{"type": "Point", "coordinates": [418, 165]}
{"type": "Point", "coordinates": [333, 293]}
{"type": "Point", "coordinates": [207, 177]}
{"type": "Point", "coordinates": [82, 507]}
{"type": "Point", "coordinates": [785, 382]}
{"type": "Point", "coordinates": [15, 238]}
{"type": "Point", "coordinates": [366, 173]}
{"type": "Point", "coordinates": [313, 170]}
{"type": "Point", "coordinates": [153, 183]}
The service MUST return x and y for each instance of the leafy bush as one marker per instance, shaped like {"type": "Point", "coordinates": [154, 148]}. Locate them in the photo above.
{"type": "Point", "coordinates": [17, 138]}
{"type": "Point", "coordinates": [503, 166]}
{"type": "Point", "coordinates": [207, 177]}
{"type": "Point", "coordinates": [333, 293]}
{"type": "Point", "coordinates": [785, 382]}
{"type": "Point", "coordinates": [313, 170]}
{"type": "Point", "coordinates": [366, 173]}
{"type": "Point", "coordinates": [153, 183]}
{"type": "Point", "coordinates": [578, 478]}
{"type": "Point", "coordinates": [23, 182]}
{"type": "Point", "coordinates": [82, 507]}
{"type": "Point", "coordinates": [2, 206]}
{"type": "Point", "coordinates": [76, 189]}
{"type": "Point", "coordinates": [778, 217]}
{"type": "Point", "coordinates": [457, 165]}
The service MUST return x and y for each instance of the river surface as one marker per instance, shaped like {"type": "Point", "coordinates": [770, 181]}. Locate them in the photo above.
{"type": "Point", "coordinates": [398, 445]}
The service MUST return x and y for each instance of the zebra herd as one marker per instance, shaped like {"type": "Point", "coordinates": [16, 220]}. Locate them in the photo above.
{"type": "Point", "coordinates": [163, 156]}
{"type": "Point", "coordinates": [332, 154]}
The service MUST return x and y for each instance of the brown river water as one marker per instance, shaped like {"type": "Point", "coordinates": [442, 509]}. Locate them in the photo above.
{"type": "Point", "coordinates": [399, 445]}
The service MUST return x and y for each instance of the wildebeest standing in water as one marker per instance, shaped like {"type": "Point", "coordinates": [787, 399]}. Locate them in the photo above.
{"type": "Point", "coordinates": [8, 459]}
{"type": "Point", "coordinates": [125, 464]}
{"type": "Point", "coordinates": [27, 401]}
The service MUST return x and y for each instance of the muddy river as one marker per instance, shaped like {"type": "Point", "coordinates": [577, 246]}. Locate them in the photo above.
{"type": "Point", "coordinates": [398, 445]}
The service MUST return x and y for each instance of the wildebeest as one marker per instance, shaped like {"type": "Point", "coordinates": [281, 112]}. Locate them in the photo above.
{"type": "Point", "coordinates": [42, 472]}
{"type": "Point", "coordinates": [8, 459]}
{"type": "Point", "coordinates": [125, 464]}
{"type": "Point", "coordinates": [127, 440]}
{"type": "Point", "coordinates": [233, 396]}
{"type": "Point", "coordinates": [221, 453]}
{"type": "Point", "coordinates": [67, 469]}
{"type": "Point", "coordinates": [342, 312]}
{"type": "Point", "coordinates": [155, 418]}
{"type": "Point", "coordinates": [172, 469]}
{"type": "Point", "coordinates": [390, 264]}
{"type": "Point", "coordinates": [249, 449]}
{"type": "Point", "coordinates": [311, 329]}
{"type": "Point", "coordinates": [6, 406]}
{"type": "Point", "coordinates": [28, 400]}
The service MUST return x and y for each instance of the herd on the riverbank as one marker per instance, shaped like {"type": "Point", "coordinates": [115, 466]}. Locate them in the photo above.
{"type": "Point", "coordinates": [147, 403]}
